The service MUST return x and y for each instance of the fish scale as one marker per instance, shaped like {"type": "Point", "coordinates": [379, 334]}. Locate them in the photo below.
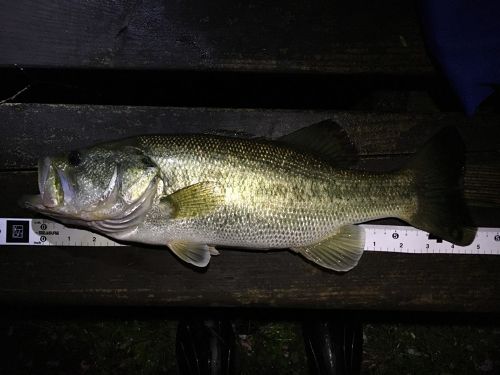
{"type": "Point", "coordinates": [274, 197]}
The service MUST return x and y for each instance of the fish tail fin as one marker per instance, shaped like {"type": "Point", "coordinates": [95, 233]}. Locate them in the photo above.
{"type": "Point", "coordinates": [438, 169]}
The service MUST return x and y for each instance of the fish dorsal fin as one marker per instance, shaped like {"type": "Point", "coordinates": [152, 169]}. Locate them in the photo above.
{"type": "Point", "coordinates": [193, 253]}
{"type": "Point", "coordinates": [340, 252]}
{"type": "Point", "coordinates": [194, 200]}
{"type": "Point", "coordinates": [327, 140]}
{"type": "Point", "coordinates": [232, 133]}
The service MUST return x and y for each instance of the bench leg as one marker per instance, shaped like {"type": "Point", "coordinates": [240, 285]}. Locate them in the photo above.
{"type": "Point", "coordinates": [206, 347]}
{"type": "Point", "coordinates": [333, 347]}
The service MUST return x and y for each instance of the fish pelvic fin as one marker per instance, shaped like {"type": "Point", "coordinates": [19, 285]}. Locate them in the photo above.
{"type": "Point", "coordinates": [196, 254]}
{"type": "Point", "coordinates": [340, 252]}
{"type": "Point", "coordinates": [439, 169]}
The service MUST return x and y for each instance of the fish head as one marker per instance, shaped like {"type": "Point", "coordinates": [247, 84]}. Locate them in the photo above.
{"type": "Point", "coordinates": [95, 184]}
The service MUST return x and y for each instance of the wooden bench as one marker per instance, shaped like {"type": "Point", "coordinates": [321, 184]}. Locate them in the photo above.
{"type": "Point", "coordinates": [365, 63]}
{"type": "Point", "coordinates": [293, 36]}
{"type": "Point", "coordinates": [144, 276]}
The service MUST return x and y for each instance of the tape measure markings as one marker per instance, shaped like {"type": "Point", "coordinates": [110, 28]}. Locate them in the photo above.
{"type": "Point", "coordinates": [404, 239]}
{"type": "Point", "coordinates": [378, 238]}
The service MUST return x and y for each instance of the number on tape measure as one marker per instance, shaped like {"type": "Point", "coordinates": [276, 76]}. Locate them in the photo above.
{"type": "Point", "coordinates": [43, 232]}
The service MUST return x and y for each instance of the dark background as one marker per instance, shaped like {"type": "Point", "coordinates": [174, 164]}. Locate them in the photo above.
{"type": "Point", "coordinates": [47, 57]}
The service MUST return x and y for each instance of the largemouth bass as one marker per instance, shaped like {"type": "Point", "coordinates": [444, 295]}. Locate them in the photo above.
{"type": "Point", "coordinates": [193, 193]}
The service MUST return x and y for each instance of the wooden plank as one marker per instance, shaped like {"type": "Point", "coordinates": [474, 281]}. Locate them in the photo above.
{"type": "Point", "coordinates": [284, 36]}
{"type": "Point", "coordinates": [31, 130]}
{"type": "Point", "coordinates": [141, 277]}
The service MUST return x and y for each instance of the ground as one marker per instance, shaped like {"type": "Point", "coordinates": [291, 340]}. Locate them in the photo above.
{"type": "Point", "coordinates": [110, 346]}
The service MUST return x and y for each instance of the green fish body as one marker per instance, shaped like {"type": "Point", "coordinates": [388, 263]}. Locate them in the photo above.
{"type": "Point", "coordinates": [203, 191]}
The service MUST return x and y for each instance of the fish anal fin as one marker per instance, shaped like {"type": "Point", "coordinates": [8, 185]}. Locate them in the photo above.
{"type": "Point", "coordinates": [190, 252]}
{"type": "Point", "coordinates": [213, 250]}
{"type": "Point", "coordinates": [327, 140]}
{"type": "Point", "coordinates": [340, 252]}
{"type": "Point", "coordinates": [194, 200]}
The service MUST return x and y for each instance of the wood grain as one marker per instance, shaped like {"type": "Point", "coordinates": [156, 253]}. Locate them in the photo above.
{"type": "Point", "coordinates": [31, 130]}
{"type": "Point", "coordinates": [283, 36]}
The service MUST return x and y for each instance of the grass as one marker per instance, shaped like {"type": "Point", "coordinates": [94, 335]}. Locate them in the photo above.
{"type": "Point", "coordinates": [148, 347]}
{"type": "Point", "coordinates": [414, 349]}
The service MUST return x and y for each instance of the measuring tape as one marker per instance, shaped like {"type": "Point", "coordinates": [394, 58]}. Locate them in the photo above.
{"type": "Point", "coordinates": [385, 238]}
{"type": "Point", "coordinates": [44, 232]}
{"type": "Point", "coordinates": [403, 239]}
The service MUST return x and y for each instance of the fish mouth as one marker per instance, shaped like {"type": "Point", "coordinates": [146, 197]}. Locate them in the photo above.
{"type": "Point", "coordinates": [58, 199]}
{"type": "Point", "coordinates": [54, 186]}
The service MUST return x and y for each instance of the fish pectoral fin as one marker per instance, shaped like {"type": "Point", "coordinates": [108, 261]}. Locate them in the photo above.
{"type": "Point", "coordinates": [190, 252]}
{"type": "Point", "coordinates": [327, 140]}
{"type": "Point", "coordinates": [195, 200]}
{"type": "Point", "coordinates": [340, 252]}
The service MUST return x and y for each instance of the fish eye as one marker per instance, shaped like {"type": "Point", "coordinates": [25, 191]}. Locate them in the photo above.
{"type": "Point", "coordinates": [74, 158]}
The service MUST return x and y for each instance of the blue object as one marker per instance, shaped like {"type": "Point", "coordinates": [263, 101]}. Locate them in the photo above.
{"type": "Point", "coordinates": [464, 38]}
